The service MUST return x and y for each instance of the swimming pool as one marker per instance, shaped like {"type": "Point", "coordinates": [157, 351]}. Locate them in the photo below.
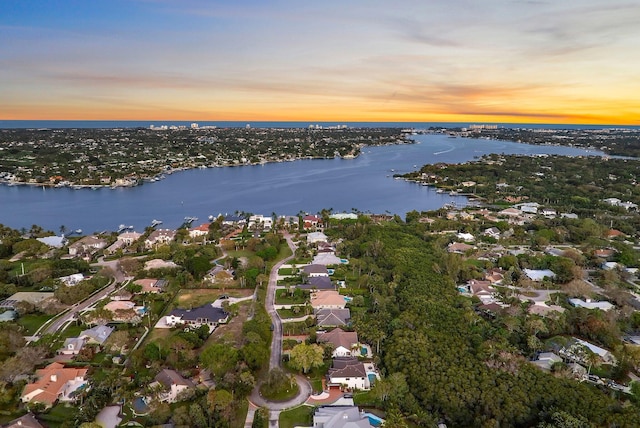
{"type": "Point", "coordinates": [140, 406]}
{"type": "Point", "coordinates": [374, 420]}
{"type": "Point", "coordinates": [344, 261]}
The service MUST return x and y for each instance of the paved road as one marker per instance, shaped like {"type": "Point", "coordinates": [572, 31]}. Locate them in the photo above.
{"type": "Point", "coordinates": [276, 352]}
{"type": "Point", "coordinates": [91, 300]}
{"type": "Point", "coordinates": [276, 343]}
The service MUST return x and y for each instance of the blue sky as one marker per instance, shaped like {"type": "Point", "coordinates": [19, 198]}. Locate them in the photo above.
{"type": "Point", "coordinates": [496, 61]}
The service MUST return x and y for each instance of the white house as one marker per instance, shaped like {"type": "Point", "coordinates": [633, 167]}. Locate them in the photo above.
{"type": "Point", "coordinates": [173, 384]}
{"type": "Point", "coordinates": [588, 304]}
{"type": "Point", "coordinates": [344, 342]}
{"type": "Point", "coordinates": [349, 372]}
{"type": "Point", "coordinates": [539, 275]}
{"type": "Point", "coordinates": [314, 237]}
{"type": "Point", "coordinates": [159, 237]}
{"type": "Point", "coordinates": [71, 280]}
{"type": "Point", "coordinates": [315, 270]}
{"type": "Point", "coordinates": [204, 315]}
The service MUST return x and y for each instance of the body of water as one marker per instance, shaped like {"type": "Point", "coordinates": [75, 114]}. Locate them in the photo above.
{"type": "Point", "coordinates": [364, 183]}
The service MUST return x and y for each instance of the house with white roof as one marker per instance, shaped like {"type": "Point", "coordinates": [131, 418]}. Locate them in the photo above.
{"type": "Point", "coordinates": [539, 274]}
{"type": "Point", "coordinates": [588, 304]}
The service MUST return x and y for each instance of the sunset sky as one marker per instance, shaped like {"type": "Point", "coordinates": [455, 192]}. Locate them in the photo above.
{"type": "Point", "coordinates": [556, 61]}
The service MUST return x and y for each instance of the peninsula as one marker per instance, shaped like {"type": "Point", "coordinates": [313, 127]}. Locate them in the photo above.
{"type": "Point", "coordinates": [131, 156]}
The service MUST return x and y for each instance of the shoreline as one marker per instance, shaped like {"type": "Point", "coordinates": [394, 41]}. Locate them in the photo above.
{"type": "Point", "coordinates": [160, 175]}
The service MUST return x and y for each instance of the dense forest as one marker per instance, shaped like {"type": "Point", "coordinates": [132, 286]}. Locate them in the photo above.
{"type": "Point", "coordinates": [453, 364]}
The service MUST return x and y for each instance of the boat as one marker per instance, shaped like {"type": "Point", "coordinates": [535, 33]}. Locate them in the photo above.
{"type": "Point", "coordinates": [78, 231]}
{"type": "Point", "coordinates": [155, 223]}
{"type": "Point", "coordinates": [211, 217]}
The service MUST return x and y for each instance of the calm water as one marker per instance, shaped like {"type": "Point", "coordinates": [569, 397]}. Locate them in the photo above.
{"type": "Point", "coordinates": [364, 183]}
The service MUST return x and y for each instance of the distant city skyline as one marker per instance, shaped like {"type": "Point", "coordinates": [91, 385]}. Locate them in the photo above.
{"type": "Point", "coordinates": [497, 61]}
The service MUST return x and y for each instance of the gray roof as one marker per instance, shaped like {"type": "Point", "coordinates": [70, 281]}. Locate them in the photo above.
{"type": "Point", "coordinates": [347, 367]}
{"type": "Point", "coordinates": [98, 334]}
{"type": "Point", "coordinates": [206, 313]}
{"type": "Point", "coordinates": [26, 421]}
{"type": "Point", "coordinates": [333, 317]}
{"type": "Point", "coordinates": [169, 377]}
{"type": "Point", "coordinates": [318, 283]}
{"type": "Point", "coordinates": [339, 417]}
{"type": "Point", "coordinates": [309, 269]}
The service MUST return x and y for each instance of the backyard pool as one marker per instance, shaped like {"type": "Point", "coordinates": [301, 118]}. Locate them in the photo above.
{"type": "Point", "coordinates": [374, 420]}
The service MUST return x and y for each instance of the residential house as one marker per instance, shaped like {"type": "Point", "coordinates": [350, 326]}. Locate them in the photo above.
{"type": "Point", "coordinates": [71, 280]}
{"type": "Point", "coordinates": [233, 220]}
{"type": "Point", "coordinates": [53, 241]}
{"type": "Point", "coordinates": [172, 384]}
{"type": "Point", "coordinates": [327, 299]}
{"type": "Point", "coordinates": [549, 213]}
{"type": "Point", "coordinates": [538, 274]}
{"type": "Point", "coordinates": [87, 245]}
{"type": "Point", "coordinates": [129, 237]}
{"type": "Point", "coordinates": [349, 372]}
{"type": "Point", "coordinates": [72, 346]}
{"type": "Point", "coordinates": [151, 285]}
{"type": "Point", "coordinates": [466, 237]}
{"type": "Point", "coordinates": [260, 221]}
{"type": "Point", "coordinates": [588, 304]}
{"type": "Point", "coordinates": [25, 421]}
{"type": "Point", "coordinates": [576, 351]}
{"type": "Point", "coordinates": [54, 382]}
{"type": "Point", "coordinates": [492, 232]}
{"type": "Point", "coordinates": [204, 315]}
{"type": "Point", "coordinates": [546, 360]}
{"type": "Point", "coordinates": [202, 230]}
{"type": "Point", "coordinates": [510, 212]}
{"type": "Point", "coordinates": [113, 248]}
{"type": "Point", "coordinates": [311, 222]}
{"type": "Point", "coordinates": [315, 237]}
{"type": "Point", "coordinates": [318, 283]}
{"type": "Point", "coordinates": [122, 310]}
{"type": "Point", "coordinates": [482, 289]}
{"type": "Point", "coordinates": [326, 258]}
{"type": "Point", "coordinates": [340, 417]}
{"type": "Point", "coordinates": [98, 334]}
{"type": "Point", "coordinates": [333, 317]}
{"type": "Point", "coordinates": [614, 233]}
{"type": "Point", "coordinates": [345, 343]}
{"type": "Point", "coordinates": [159, 237]}
{"type": "Point", "coordinates": [494, 276]}
{"type": "Point", "coordinates": [344, 216]}
{"type": "Point", "coordinates": [459, 247]}
{"type": "Point", "coordinates": [159, 264]}
{"type": "Point", "coordinates": [544, 310]}
{"type": "Point", "coordinates": [315, 270]}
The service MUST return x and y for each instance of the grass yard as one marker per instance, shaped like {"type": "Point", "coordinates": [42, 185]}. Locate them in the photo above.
{"type": "Point", "coordinates": [32, 322]}
{"type": "Point", "coordinates": [283, 394]}
{"type": "Point", "coordinates": [299, 416]}
{"type": "Point", "coordinates": [201, 296]}
{"type": "Point", "coordinates": [288, 313]}
{"type": "Point", "coordinates": [283, 297]}
{"type": "Point", "coordinates": [285, 271]}
{"type": "Point", "coordinates": [240, 414]}
{"type": "Point", "coordinates": [232, 331]}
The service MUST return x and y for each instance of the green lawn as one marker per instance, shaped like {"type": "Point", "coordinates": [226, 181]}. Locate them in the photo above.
{"type": "Point", "coordinates": [58, 414]}
{"type": "Point", "coordinates": [240, 415]}
{"type": "Point", "coordinates": [364, 398]}
{"type": "Point", "coordinates": [72, 331]}
{"type": "Point", "coordinates": [282, 394]}
{"type": "Point", "coordinates": [299, 416]}
{"type": "Point", "coordinates": [288, 313]}
{"type": "Point", "coordinates": [33, 322]}
{"type": "Point", "coordinates": [284, 298]}
{"type": "Point", "coordinates": [285, 271]}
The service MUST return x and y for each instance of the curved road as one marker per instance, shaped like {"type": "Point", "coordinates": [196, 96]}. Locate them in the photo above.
{"type": "Point", "coordinates": [276, 350]}
{"type": "Point", "coordinates": [80, 306]}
